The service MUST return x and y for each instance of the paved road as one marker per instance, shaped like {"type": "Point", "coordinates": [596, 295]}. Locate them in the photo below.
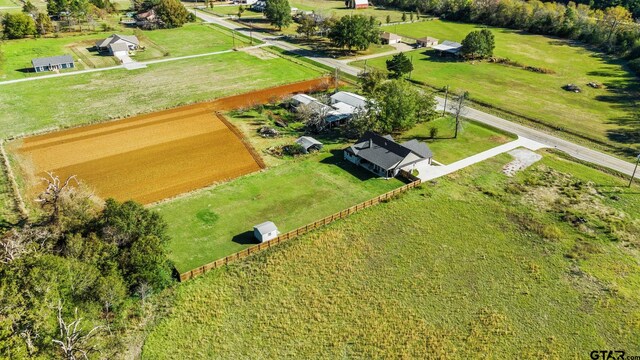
{"type": "Point", "coordinates": [570, 148]}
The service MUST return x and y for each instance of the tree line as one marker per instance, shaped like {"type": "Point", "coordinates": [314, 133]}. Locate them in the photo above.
{"type": "Point", "coordinates": [78, 14]}
{"type": "Point", "coordinates": [611, 28]}
{"type": "Point", "coordinates": [73, 280]}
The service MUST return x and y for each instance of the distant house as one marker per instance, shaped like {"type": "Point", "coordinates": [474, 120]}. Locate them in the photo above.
{"type": "Point", "coordinates": [147, 19]}
{"type": "Point", "coordinates": [245, 2]}
{"type": "Point", "coordinates": [426, 42]}
{"type": "Point", "coordinates": [448, 47]}
{"type": "Point", "coordinates": [351, 99]}
{"type": "Point", "coordinates": [385, 157]}
{"type": "Point", "coordinates": [310, 102]}
{"type": "Point", "coordinates": [389, 38]}
{"type": "Point", "coordinates": [343, 105]}
{"type": "Point", "coordinates": [358, 4]}
{"type": "Point", "coordinates": [118, 44]}
{"type": "Point", "coordinates": [52, 63]}
{"type": "Point", "coordinates": [309, 144]}
{"type": "Point", "coordinates": [265, 231]}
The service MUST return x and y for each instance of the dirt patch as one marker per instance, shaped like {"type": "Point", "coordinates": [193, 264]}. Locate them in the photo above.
{"type": "Point", "coordinates": [151, 157]}
{"type": "Point", "coordinates": [523, 159]}
{"type": "Point", "coordinates": [260, 53]}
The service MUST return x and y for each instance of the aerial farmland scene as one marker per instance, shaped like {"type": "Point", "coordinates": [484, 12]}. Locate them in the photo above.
{"type": "Point", "coordinates": [319, 179]}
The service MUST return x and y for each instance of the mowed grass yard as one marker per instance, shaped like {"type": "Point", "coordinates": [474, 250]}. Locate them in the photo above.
{"type": "Point", "coordinates": [194, 38]}
{"type": "Point", "coordinates": [29, 106]}
{"type": "Point", "coordinates": [453, 270]}
{"type": "Point", "coordinates": [606, 115]}
{"type": "Point", "coordinates": [217, 222]}
{"type": "Point", "coordinates": [473, 139]}
{"type": "Point", "coordinates": [157, 44]}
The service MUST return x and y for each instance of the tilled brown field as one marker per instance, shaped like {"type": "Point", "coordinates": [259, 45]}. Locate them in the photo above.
{"type": "Point", "coordinates": [154, 156]}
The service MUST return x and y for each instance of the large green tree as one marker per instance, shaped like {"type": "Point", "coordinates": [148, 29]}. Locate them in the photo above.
{"type": "Point", "coordinates": [355, 32]}
{"type": "Point", "coordinates": [396, 106]}
{"type": "Point", "coordinates": [172, 13]}
{"type": "Point", "coordinates": [18, 26]}
{"type": "Point", "coordinates": [307, 26]}
{"type": "Point", "coordinates": [43, 24]}
{"type": "Point", "coordinates": [399, 65]}
{"type": "Point", "coordinates": [478, 44]}
{"type": "Point", "coordinates": [370, 80]}
{"type": "Point", "coordinates": [278, 12]}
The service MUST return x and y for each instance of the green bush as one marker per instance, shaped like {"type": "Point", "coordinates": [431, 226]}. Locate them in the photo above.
{"type": "Point", "coordinates": [634, 65]}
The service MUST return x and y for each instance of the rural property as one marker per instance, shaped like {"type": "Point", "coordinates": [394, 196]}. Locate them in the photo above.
{"type": "Point", "coordinates": [319, 179]}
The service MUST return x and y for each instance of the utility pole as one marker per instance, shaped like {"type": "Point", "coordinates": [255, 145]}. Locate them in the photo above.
{"type": "Point", "coordinates": [634, 170]}
{"type": "Point", "coordinates": [233, 35]}
{"type": "Point", "coordinates": [335, 78]}
{"type": "Point", "coordinates": [458, 111]}
{"type": "Point", "coordinates": [446, 95]}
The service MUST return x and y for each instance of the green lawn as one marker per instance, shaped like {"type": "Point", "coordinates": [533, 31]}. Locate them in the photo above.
{"type": "Point", "coordinates": [195, 38]}
{"type": "Point", "coordinates": [9, 3]}
{"type": "Point", "coordinates": [113, 94]}
{"type": "Point", "coordinates": [473, 139]}
{"type": "Point", "coordinates": [191, 39]}
{"type": "Point", "coordinates": [218, 222]}
{"type": "Point", "coordinates": [464, 268]}
{"type": "Point", "coordinates": [19, 53]}
{"type": "Point", "coordinates": [606, 115]}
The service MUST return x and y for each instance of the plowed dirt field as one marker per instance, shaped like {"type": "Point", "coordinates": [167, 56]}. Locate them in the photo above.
{"type": "Point", "coordinates": [154, 156]}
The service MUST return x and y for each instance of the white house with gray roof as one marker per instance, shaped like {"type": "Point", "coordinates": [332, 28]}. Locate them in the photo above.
{"type": "Point", "coordinates": [385, 157]}
{"type": "Point", "coordinates": [118, 45]}
{"type": "Point", "coordinates": [52, 63]}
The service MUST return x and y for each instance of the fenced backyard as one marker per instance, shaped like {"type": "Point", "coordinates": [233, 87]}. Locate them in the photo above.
{"type": "Point", "coordinates": [302, 230]}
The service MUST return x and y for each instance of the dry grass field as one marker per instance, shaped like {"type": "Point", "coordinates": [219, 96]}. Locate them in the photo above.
{"type": "Point", "coordinates": [149, 157]}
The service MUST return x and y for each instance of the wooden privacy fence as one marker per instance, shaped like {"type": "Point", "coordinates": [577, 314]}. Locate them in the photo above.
{"type": "Point", "coordinates": [297, 232]}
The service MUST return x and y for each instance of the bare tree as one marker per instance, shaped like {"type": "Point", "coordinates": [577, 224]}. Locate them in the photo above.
{"type": "Point", "coordinates": [144, 290]}
{"type": "Point", "coordinates": [74, 341]}
{"type": "Point", "coordinates": [19, 242]}
{"type": "Point", "coordinates": [50, 197]}
{"type": "Point", "coordinates": [458, 109]}
{"type": "Point", "coordinates": [313, 115]}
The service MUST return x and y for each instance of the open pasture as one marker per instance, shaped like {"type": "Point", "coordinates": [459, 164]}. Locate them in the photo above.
{"type": "Point", "coordinates": [461, 267]}
{"type": "Point", "coordinates": [606, 115]}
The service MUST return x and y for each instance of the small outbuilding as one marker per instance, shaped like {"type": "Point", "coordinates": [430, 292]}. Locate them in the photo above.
{"type": "Point", "coordinates": [309, 144]}
{"type": "Point", "coordinates": [426, 42]}
{"type": "Point", "coordinates": [52, 63]}
{"type": "Point", "coordinates": [389, 38]}
{"type": "Point", "coordinates": [448, 47]}
{"type": "Point", "coordinates": [357, 4]}
{"type": "Point", "coordinates": [265, 231]}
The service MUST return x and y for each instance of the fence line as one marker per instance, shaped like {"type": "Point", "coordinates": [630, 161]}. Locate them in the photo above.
{"type": "Point", "coordinates": [17, 198]}
{"type": "Point", "coordinates": [242, 138]}
{"type": "Point", "coordinates": [301, 230]}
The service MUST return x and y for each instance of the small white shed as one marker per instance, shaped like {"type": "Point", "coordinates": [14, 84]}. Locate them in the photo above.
{"type": "Point", "coordinates": [265, 231]}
